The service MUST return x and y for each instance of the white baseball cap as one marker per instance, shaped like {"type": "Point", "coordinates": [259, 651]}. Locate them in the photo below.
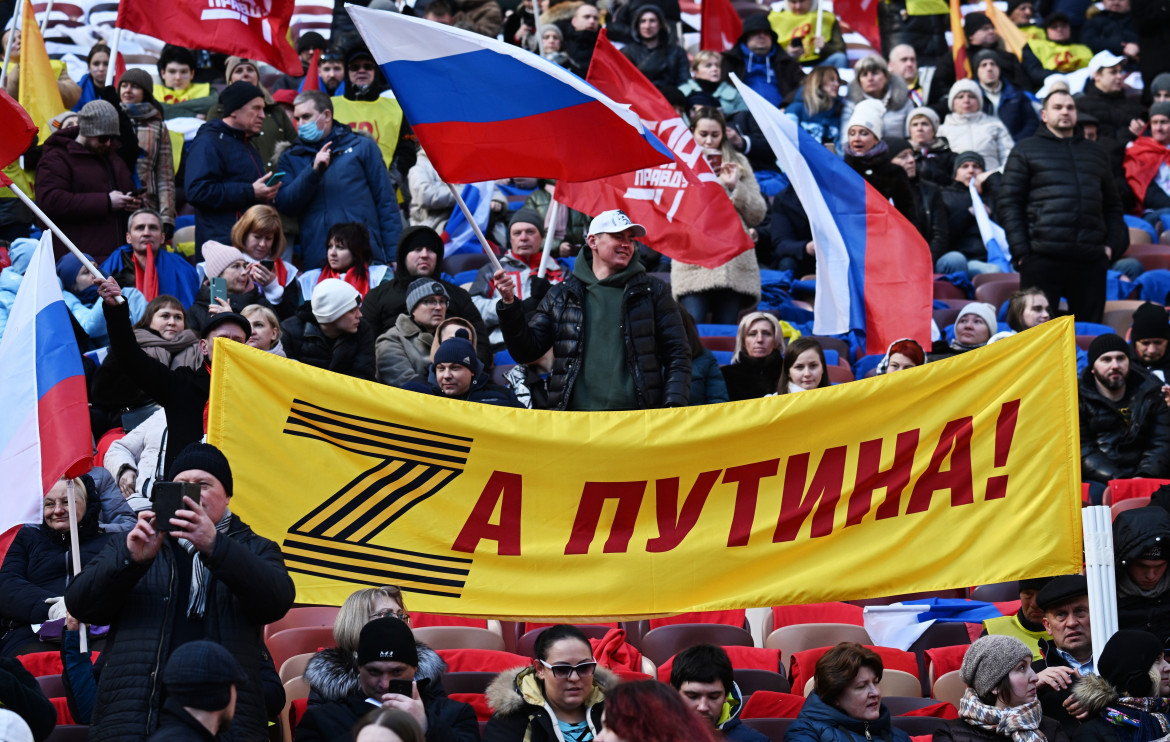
{"type": "Point", "coordinates": [1104, 59]}
{"type": "Point", "coordinates": [614, 220]}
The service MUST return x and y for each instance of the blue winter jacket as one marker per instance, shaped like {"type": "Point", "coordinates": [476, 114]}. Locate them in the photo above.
{"type": "Point", "coordinates": [1015, 111]}
{"type": "Point", "coordinates": [175, 275]}
{"type": "Point", "coordinates": [820, 722]}
{"type": "Point", "coordinates": [355, 187]}
{"type": "Point", "coordinates": [221, 167]}
{"type": "Point", "coordinates": [20, 253]}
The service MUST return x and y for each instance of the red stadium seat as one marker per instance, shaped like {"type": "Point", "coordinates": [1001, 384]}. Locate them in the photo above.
{"type": "Point", "coordinates": [803, 663]}
{"type": "Point", "coordinates": [789, 615]}
{"type": "Point", "coordinates": [770, 705]}
{"type": "Point", "coordinates": [302, 616]}
{"type": "Point", "coordinates": [666, 641]}
{"type": "Point", "coordinates": [481, 660]}
{"type": "Point", "coordinates": [729, 618]}
{"type": "Point", "coordinates": [291, 642]}
{"type": "Point", "coordinates": [942, 660]}
{"type": "Point", "coordinates": [742, 658]}
{"type": "Point", "coordinates": [422, 620]}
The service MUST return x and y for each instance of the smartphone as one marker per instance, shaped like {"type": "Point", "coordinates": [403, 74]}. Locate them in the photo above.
{"type": "Point", "coordinates": [276, 178]}
{"type": "Point", "coordinates": [218, 289]}
{"type": "Point", "coordinates": [714, 158]}
{"type": "Point", "coordinates": [138, 192]}
{"type": "Point", "coordinates": [401, 687]}
{"type": "Point", "coordinates": [167, 497]}
{"type": "Point", "coordinates": [269, 264]}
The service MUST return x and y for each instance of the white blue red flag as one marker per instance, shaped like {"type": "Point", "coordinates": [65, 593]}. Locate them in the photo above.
{"type": "Point", "coordinates": [484, 110]}
{"type": "Point", "coordinates": [44, 429]}
{"type": "Point", "coordinates": [874, 273]}
{"type": "Point", "coordinates": [993, 236]}
{"type": "Point", "coordinates": [458, 235]}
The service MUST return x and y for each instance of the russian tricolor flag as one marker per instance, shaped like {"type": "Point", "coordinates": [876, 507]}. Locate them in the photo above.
{"type": "Point", "coordinates": [874, 274]}
{"type": "Point", "coordinates": [44, 428]}
{"type": "Point", "coordinates": [484, 110]}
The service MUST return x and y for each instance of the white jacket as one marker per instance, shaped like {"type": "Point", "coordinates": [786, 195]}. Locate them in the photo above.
{"type": "Point", "coordinates": [978, 132]}
{"type": "Point", "coordinates": [140, 450]}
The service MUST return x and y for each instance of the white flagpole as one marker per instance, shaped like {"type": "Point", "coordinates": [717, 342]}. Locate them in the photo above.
{"type": "Point", "coordinates": [820, 23]}
{"type": "Point", "coordinates": [553, 209]}
{"type": "Point", "coordinates": [114, 44]}
{"type": "Point", "coordinates": [48, 11]}
{"type": "Point", "coordinates": [11, 36]}
{"type": "Point", "coordinates": [478, 233]}
{"type": "Point", "coordinates": [1097, 525]}
{"type": "Point", "coordinates": [75, 547]}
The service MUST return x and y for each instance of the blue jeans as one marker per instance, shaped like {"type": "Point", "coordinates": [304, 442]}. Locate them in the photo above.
{"type": "Point", "coordinates": [955, 261]}
{"type": "Point", "coordinates": [723, 304]}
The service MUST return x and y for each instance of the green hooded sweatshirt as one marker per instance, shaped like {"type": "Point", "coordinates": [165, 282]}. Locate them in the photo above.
{"type": "Point", "coordinates": [604, 381]}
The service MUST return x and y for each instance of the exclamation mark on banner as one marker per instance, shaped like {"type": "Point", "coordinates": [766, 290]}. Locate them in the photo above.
{"type": "Point", "coordinates": [1005, 429]}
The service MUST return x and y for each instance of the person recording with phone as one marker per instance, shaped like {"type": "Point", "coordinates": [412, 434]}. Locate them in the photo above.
{"type": "Point", "coordinates": [229, 287]}
{"type": "Point", "coordinates": [202, 574]}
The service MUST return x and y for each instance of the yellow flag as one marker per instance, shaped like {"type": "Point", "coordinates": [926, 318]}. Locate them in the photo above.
{"type": "Point", "coordinates": [38, 85]}
{"type": "Point", "coordinates": [1013, 37]}
{"type": "Point", "coordinates": [927, 7]}
{"type": "Point", "coordinates": [380, 119]}
{"type": "Point", "coordinates": [924, 479]}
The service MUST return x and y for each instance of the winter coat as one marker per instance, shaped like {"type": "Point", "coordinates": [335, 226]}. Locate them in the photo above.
{"type": "Point", "coordinates": [113, 387]}
{"type": "Point", "coordinates": [447, 720]}
{"type": "Point", "coordinates": [403, 352]}
{"type": "Point", "coordinates": [621, 24]}
{"type": "Point", "coordinates": [522, 714]}
{"type": "Point", "coordinates": [1109, 31]}
{"type": "Point", "coordinates": [657, 354]}
{"type": "Point", "coordinates": [1152, 20]}
{"type": "Point", "coordinates": [1052, 701]}
{"type": "Point", "coordinates": [926, 33]}
{"type": "Point", "coordinates": [176, 276]}
{"type": "Point", "coordinates": [1117, 446]}
{"type": "Point", "coordinates": [752, 378]}
{"type": "Point", "coordinates": [20, 253]}
{"type": "Point", "coordinates": [529, 384]}
{"type": "Point", "coordinates": [978, 132]}
{"type": "Point", "coordinates": [247, 587]}
{"type": "Point", "coordinates": [936, 163]}
{"type": "Point", "coordinates": [484, 17]}
{"type": "Point", "coordinates": [530, 288]}
{"type": "Point", "coordinates": [820, 722]}
{"type": "Point", "coordinates": [278, 129]}
{"type": "Point", "coordinates": [896, 100]}
{"type": "Point", "coordinates": [962, 228]}
{"type": "Point", "coordinates": [176, 725]}
{"type": "Point", "coordinates": [791, 232]}
{"type": "Point", "coordinates": [355, 187]}
{"type": "Point", "coordinates": [729, 98]}
{"type": "Point", "coordinates": [1135, 531]}
{"type": "Point", "coordinates": [221, 166]}
{"type": "Point", "coordinates": [891, 181]}
{"type": "Point", "coordinates": [933, 215]}
{"type": "Point", "coordinates": [387, 300]}
{"type": "Point", "coordinates": [742, 273]}
{"type": "Point", "coordinates": [1113, 111]}
{"type": "Point", "coordinates": [824, 127]}
{"type": "Point", "coordinates": [1098, 696]}
{"type": "Point", "coordinates": [92, 320]}
{"type": "Point", "coordinates": [482, 390]}
{"type": "Point", "coordinates": [140, 450]}
{"type": "Point", "coordinates": [707, 384]}
{"type": "Point", "coordinates": [666, 63]}
{"type": "Point", "coordinates": [431, 201]}
{"type": "Point", "coordinates": [1058, 198]}
{"type": "Point", "coordinates": [199, 314]}
{"type": "Point", "coordinates": [332, 677]}
{"type": "Point", "coordinates": [786, 71]}
{"type": "Point", "coordinates": [958, 730]}
{"type": "Point", "coordinates": [73, 188]}
{"type": "Point", "coordinates": [1015, 111]}
{"type": "Point", "coordinates": [351, 354]}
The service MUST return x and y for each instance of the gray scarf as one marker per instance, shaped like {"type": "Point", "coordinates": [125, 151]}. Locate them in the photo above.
{"type": "Point", "coordinates": [198, 599]}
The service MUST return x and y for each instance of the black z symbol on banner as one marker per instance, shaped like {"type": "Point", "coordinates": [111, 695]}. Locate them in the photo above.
{"type": "Point", "coordinates": [412, 464]}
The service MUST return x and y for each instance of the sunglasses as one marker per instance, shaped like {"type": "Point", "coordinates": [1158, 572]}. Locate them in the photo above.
{"type": "Point", "coordinates": [362, 67]}
{"type": "Point", "coordinates": [583, 670]}
{"type": "Point", "coordinates": [390, 612]}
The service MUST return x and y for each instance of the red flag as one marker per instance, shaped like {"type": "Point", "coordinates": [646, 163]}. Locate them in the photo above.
{"type": "Point", "coordinates": [720, 25]}
{"type": "Point", "coordinates": [313, 77]}
{"type": "Point", "coordinates": [254, 29]}
{"type": "Point", "coordinates": [682, 204]}
{"type": "Point", "coordinates": [19, 131]}
{"type": "Point", "coordinates": [861, 16]}
{"type": "Point", "coordinates": [959, 47]}
{"type": "Point", "coordinates": [119, 67]}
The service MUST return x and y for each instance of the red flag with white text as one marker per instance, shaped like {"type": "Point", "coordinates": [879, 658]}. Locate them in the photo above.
{"type": "Point", "coordinates": [254, 29]}
{"type": "Point", "coordinates": [683, 205]}
{"type": "Point", "coordinates": [720, 25]}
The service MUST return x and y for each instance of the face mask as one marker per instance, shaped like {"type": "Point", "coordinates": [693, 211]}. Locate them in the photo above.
{"type": "Point", "coordinates": [309, 131]}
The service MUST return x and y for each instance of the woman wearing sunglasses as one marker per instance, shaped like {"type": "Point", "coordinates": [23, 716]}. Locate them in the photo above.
{"type": "Point", "coordinates": [556, 699]}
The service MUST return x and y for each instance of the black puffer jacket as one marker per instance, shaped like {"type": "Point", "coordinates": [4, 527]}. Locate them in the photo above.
{"type": "Point", "coordinates": [1051, 700]}
{"type": "Point", "coordinates": [447, 720]}
{"type": "Point", "coordinates": [666, 63]}
{"type": "Point", "coordinates": [657, 353]}
{"type": "Point", "coordinates": [351, 354]}
{"type": "Point", "coordinates": [247, 588]}
{"type": "Point", "coordinates": [926, 33]}
{"type": "Point", "coordinates": [1135, 531]}
{"type": "Point", "coordinates": [1113, 111]}
{"type": "Point", "coordinates": [1057, 198]}
{"type": "Point", "coordinates": [963, 231]}
{"type": "Point", "coordinates": [891, 181]}
{"type": "Point", "coordinates": [932, 212]}
{"type": "Point", "coordinates": [332, 677]}
{"type": "Point", "coordinates": [1116, 446]}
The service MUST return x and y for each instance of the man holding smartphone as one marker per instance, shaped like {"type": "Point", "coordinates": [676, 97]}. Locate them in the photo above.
{"type": "Point", "coordinates": [204, 575]}
{"type": "Point", "coordinates": [387, 659]}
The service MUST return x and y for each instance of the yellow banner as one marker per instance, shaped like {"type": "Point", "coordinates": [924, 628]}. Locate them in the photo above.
{"type": "Point", "coordinates": [1013, 37]}
{"type": "Point", "coordinates": [925, 479]}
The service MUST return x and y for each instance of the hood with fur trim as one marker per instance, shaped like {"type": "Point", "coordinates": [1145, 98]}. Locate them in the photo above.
{"type": "Point", "coordinates": [514, 689]}
{"type": "Point", "coordinates": [333, 676]}
{"type": "Point", "coordinates": [1094, 693]}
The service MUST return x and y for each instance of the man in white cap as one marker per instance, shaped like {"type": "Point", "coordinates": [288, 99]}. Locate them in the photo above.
{"type": "Point", "coordinates": [1104, 98]}
{"type": "Point", "coordinates": [329, 331]}
{"type": "Point", "coordinates": [617, 335]}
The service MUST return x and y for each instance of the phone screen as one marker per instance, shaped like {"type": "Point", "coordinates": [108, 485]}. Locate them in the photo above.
{"type": "Point", "coordinates": [268, 264]}
{"type": "Point", "coordinates": [167, 497]}
{"type": "Point", "coordinates": [218, 289]}
{"type": "Point", "coordinates": [401, 687]}
{"type": "Point", "coordinates": [276, 178]}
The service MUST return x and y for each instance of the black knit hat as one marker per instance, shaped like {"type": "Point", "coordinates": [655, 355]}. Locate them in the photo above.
{"type": "Point", "coordinates": [964, 157]}
{"type": "Point", "coordinates": [1126, 661]}
{"type": "Point", "coordinates": [200, 674]}
{"type": "Point", "coordinates": [896, 145]}
{"type": "Point", "coordinates": [206, 457]}
{"type": "Point", "coordinates": [1107, 343]}
{"type": "Point", "coordinates": [754, 24]}
{"type": "Point", "coordinates": [1061, 590]}
{"type": "Point", "coordinates": [1150, 321]}
{"type": "Point", "coordinates": [458, 349]}
{"type": "Point", "coordinates": [527, 216]}
{"type": "Point", "coordinates": [311, 40]}
{"type": "Point", "coordinates": [1034, 583]}
{"type": "Point", "coordinates": [237, 95]}
{"type": "Point", "coordinates": [975, 21]}
{"type": "Point", "coordinates": [387, 639]}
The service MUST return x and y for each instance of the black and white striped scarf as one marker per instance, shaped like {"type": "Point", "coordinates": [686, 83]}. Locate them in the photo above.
{"type": "Point", "coordinates": [198, 599]}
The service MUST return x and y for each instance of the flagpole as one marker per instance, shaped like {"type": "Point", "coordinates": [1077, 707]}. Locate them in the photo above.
{"type": "Point", "coordinates": [45, 20]}
{"type": "Point", "coordinates": [76, 549]}
{"type": "Point", "coordinates": [553, 207]}
{"type": "Point", "coordinates": [820, 24]}
{"type": "Point", "coordinates": [475, 226]}
{"type": "Point", "coordinates": [60, 235]}
{"type": "Point", "coordinates": [112, 70]}
{"type": "Point", "coordinates": [8, 48]}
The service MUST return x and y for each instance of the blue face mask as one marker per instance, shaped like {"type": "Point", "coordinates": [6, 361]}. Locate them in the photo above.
{"type": "Point", "coordinates": [309, 131]}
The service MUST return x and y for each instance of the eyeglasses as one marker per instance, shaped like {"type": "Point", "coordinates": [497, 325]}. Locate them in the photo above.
{"type": "Point", "coordinates": [390, 612]}
{"type": "Point", "coordinates": [362, 67]}
{"type": "Point", "coordinates": [435, 301]}
{"type": "Point", "coordinates": [583, 670]}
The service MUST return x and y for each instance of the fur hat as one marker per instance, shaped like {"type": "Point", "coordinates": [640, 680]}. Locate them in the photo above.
{"type": "Point", "coordinates": [983, 311]}
{"type": "Point", "coordinates": [237, 95]}
{"type": "Point", "coordinates": [1107, 343]}
{"type": "Point", "coordinates": [98, 118]}
{"type": "Point", "coordinates": [218, 256]}
{"type": "Point", "coordinates": [990, 659]}
{"type": "Point", "coordinates": [964, 86]}
{"type": "Point", "coordinates": [206, 457]}
{"type": "Point", "coordinates": [332, 298]}
{"type": "Point", "coordinates": [1127, 661]}
{"type": "Point", "coordinates": [1149, 320]}
{"type": "Point", "coordinates": [868, 113]}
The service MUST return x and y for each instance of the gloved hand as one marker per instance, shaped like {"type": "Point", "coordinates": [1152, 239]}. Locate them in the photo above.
{"type": "Point", "coordinates": [538, 288]}
{"type": "Point", "coordinates": [56, 607]}
{"type": "Point", "coordinates": [169, 231]}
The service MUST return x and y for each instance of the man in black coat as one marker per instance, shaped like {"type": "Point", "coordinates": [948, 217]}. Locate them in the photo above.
{"type": "Point", "coordinates": [330, 333]}
{"type": "Point", "coordinates": [1065, 602]}
{"type": "Point", "coordinates": [387, 659]}
{"type": "Point", "coordinates": [201, 679]}
{"type": "Point", "coordinates": [458, 374]}
{"type": "Point", "coordinates": [1104, 97]}
{"type": "Point", "coordinates": [1058, 204]}
{"type": "Point", "coordinates": [1141, 549]}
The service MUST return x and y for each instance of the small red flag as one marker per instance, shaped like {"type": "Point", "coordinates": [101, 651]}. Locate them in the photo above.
{"type": "Point", "coordinates": [119, 67]}
{"type": "Point", "coordinates": [19, 131]}
{"type": "Point", "coordinates": [313, 77]}
{"type": "Point", "coordinates": [720, 25]}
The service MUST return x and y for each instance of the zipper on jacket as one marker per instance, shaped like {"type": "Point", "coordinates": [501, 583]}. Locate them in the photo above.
{"type": "Point", "coordinates": [158, 652]}
{"type": "Point", "coordinates": [867, 736]}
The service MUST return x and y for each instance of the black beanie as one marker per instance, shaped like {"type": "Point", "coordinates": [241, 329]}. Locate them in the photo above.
{"type": "Point", "coordinates": [975, 21]}
{"type": "Point", "coordinates": [458, 349]}
{"type": "Point", "coordinates": [527, 216]}
{"type": "Point", "coordinates": [206, 457]}
{"type": "Point", "coordinates": [965, 157]}
{"type": "Point", "coordinates": [1150, 321]}
{"type": "Point", "coordinates": [237, 95]}
{"type": "Point", "coordinates": [896, 145]}
{"type": "Point", "coordinates": [200, 674]}
{"type": "Point", "coordinates": [1107, 343]}
{"type": "Point", "coordinates": [1126, 661]}
{"type": "Point", "coordinates": [387, 639]}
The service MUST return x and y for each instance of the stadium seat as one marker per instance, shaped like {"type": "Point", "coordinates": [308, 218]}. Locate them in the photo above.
{"type": "Point", "coordinates": [706, 330]}
{"type": "Point", "coordinates": [832, 343]}
{"type": "Point", "coordinates": [296, 694]}
{"type": "Point", "coordinates": [294, 666]}
{"type": "Point", "coordinates": [917, 726]}
{"type": "Point", "coordinates": [1125, 489]}
{"type": "Point", "coordinates": [481, 660]}
{"type": "Point", "coordinates": [459, 637]}
{"type": "Point", "coordinates": [940, 634]}
{"type": "Point", "coordinates": [766, 704]}
{"type": "Point", "coordinates": [997, 292]}
{"type": "Point", "coordinates": [1153, 261]}
{"type": "Point", "coordinates": [941, 660]}
{"type": "Point", "coordinates": [997, 592]}
{"type": "Point", "coordinates": [1084, 341]}
{"type": "Point", "coordinates": [790, 615]}
{"type": "Point", "coordinates": [899, 705]}
{"type": "Point", "coordinates": [464, 261]}
{"type": "Point", "coordinates": [1137, 237]}
{"type": "Point", "coordinates": [718, 342]}
{"type": "Point", "coordinates": [839, 374]}
{"type": "Point", "coordinates": [774, 729]}
{"type": "Point", "coordinates": [467, 682]}
{"type": "Point", "coordinates": [752, 681]}
{"type": "Point", "coordinates": [1134, 502]}
{"type": "Point", "coordinates": [302, 616]}
{"type": "Point", "coordinates": [804, 664]}
{"type": "Point", "coordinates": [420, 620]}
{"type": "Point", "coordinates": [946, 290]}
{"type": "Point", "coordinates": [792, 639]}
{"type": "Point", "coordinates": [727, 618]}
{"type": "Point", "coordinates": [1146, 248]}
{"type": "Point", "coordinates": [291, 642]}
{"type": "Point", "coordinates": [52, 686]}
{"type": "Point", "coordinates": [666, 641]}
{"type": "Point", "coordinates": [894, 683]}
{"type": "Point", "coordinates": [982, 278]}
{"type": "Point", "coordinates": [69, 733]}
{"type": "Point", "coordinates": [528, 641]}
{"type": "Point", "coordinates": [949, 687]}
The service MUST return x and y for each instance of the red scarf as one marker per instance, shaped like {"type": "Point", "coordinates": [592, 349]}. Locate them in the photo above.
{"type": "Point", "coordinates": [361, 284]}
{"type": "Point", "coordinates": [281, 272]}
{"type": "Point", "coordinates": [553, 274]}
{"type": "Point", "coordinates": [207, 404]}
{"type": "Point", "coordinates": [146, 280]}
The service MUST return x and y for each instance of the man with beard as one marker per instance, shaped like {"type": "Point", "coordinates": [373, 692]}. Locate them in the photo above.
{"type": "Point", "coordinates": [1149, 336]}
{"type": "Point", "coordinates": [1125, 423]}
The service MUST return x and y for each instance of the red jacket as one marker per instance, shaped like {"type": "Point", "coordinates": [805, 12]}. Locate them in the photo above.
{"type": "Point", "coordinates": [1143, 157]}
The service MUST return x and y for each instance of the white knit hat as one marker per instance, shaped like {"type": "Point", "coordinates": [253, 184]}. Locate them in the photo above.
{"type": "Point", "coordinates": [333, 298]}
{"type": "Point", "coordinates": [983, 310]}
{"type": "Point", "coordinates": [868, 113]}
{"type": "Point", "coordinates": [964, 86]}
{"type": "Point", "coordinates": [218, 256]}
